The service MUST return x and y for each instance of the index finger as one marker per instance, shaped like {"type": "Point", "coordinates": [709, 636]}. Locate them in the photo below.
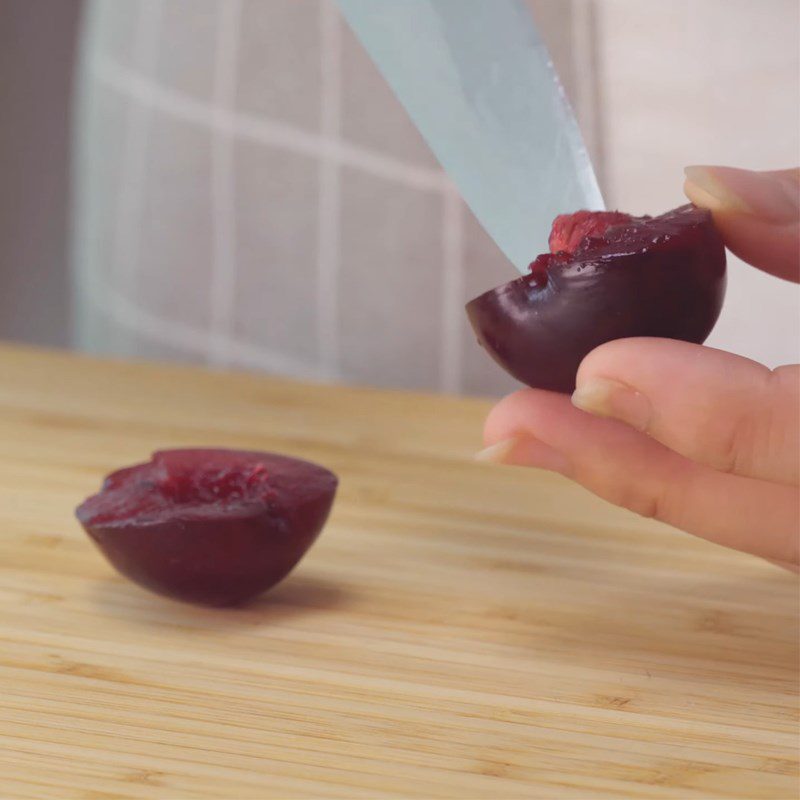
{"type": "Point", "coordinates": [757, 214]}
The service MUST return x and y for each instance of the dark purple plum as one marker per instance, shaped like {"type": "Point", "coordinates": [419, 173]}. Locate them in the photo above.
{"type": "Point", "coordinates": [209, 526]}
{"type": "Point", "coordinates": [608, 276]}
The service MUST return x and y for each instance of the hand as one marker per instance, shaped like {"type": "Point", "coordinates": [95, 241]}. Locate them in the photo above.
{"type": "Point", "coordinates": [698, 438]}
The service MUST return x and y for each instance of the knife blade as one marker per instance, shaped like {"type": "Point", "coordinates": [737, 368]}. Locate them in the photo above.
{"type": "Point", "coordinates": [479, 84]}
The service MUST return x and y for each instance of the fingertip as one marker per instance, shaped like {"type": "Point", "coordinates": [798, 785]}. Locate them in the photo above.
{"type": "Point", "coordinates": [771, 247]}
{"type": "Point", "coordinates": [503, 421]}
{"type": "Point", "coordinates": [771, 196]}
{"type": "Point", "coordinates": [538, 416]}
{"type": "Point", "coordinates": [756, 213]}
{"type": "Point", "coordinates": [602, 397]}
{"type": "Point", "coordinates": [623, 359]}
{"type": "Point", "coordinates": [525, 451]}
{"type": "Point", "coordinates": [702, 188]}
{"type": "Point", "coordinates": [668, 368]}
{"type": "Point", "coordinates": [496, 453]}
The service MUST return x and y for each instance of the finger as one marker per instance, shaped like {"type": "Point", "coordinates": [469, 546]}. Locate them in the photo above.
{"type": "Point", "coordinates": [785, 565]}
{"type": "Point", "coordinates": [757, 214]}
{"type": "Point", "coordinates": [718, 409]}
{"type": "Point", "coordinates": [632, 470]}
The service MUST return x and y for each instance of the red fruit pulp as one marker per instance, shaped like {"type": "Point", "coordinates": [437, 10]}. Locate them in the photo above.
{"type": "Point", "coordinates": [569, 230]}
{"type": "Point", "coordinates": [209, 526]}
{"type": "Point", "coordinates": [608, 276]}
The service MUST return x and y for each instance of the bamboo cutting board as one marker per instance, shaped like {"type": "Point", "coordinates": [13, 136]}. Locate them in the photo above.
{"type": "Point", "coordinates": [459, 630]}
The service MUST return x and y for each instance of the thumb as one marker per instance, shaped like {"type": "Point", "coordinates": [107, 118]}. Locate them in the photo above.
{"type": "Point", "coordinates": [757, 214]}
{"type": "Point", "coordinates": [715, 408]}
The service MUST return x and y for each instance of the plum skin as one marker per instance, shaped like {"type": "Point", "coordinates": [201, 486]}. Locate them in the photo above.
{"type": "Point", "coordinates": [220, 556]}
{"type": "Point", "coordinates": [540, 326]}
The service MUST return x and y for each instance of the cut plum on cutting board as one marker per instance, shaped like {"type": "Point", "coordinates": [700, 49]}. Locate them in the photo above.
{"type": "Point", "coordinates": [608, 276]}
{"type": "Point", "coordinates": [209, 526]}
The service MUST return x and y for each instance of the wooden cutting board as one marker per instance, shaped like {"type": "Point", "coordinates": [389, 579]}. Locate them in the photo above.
{"type": "Point", "coordinates": [459, 630]}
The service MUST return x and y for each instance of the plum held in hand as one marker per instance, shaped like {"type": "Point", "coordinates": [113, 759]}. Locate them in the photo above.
{"type": "Point", "coordinates": [215, 527]}
{"type": "Point", "coordinates": [608, 276]}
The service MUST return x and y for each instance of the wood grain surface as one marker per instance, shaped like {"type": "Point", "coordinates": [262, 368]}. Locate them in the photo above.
{"type": "Point", "coordinates": [459, 630]}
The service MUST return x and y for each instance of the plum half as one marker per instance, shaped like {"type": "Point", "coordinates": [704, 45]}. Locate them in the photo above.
{"type": "Point", "coordinates": [209, 526]}
{"type": "Point", "coordinates": [608, 276]}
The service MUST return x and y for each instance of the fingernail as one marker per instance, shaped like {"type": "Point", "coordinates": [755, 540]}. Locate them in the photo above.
{"type": "Point", "coordinates": [496, 453]}
{"type": "Point", "coordinates": [772, 196]}
{"type": "Point", "coordinates": [608, 398]}
{"type": "Point", "coordinates": [525, 451]}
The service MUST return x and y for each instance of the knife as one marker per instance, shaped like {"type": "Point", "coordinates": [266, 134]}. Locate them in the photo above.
{"type": "Point", "coordinates": [477, 81]}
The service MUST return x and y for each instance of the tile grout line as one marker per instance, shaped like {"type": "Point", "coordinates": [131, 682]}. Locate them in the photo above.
{"type": "Point", "coordinates": [134, 152]}
{"type": "Point", "coordinates": [451, 353]}
{"type": "Point", "coordinates": [329, 192]}
{"type": "Point", "coordinates": [266, 131]}
{"type": "Point", "coordinates": [197, 341]}
{"type": "Point", "coordinates": [223, 213]}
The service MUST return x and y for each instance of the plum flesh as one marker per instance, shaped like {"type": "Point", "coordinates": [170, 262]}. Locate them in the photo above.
{"type": "Point", "coordinates": [209, 526]}
{"type": "Point", "coordinates": [608, 276]}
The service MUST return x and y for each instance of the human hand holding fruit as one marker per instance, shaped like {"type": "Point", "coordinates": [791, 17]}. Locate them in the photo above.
{"type": "Point", "coordinates": [701, 439]}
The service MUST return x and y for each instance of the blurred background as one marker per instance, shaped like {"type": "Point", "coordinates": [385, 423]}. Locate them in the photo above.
{"type": "Point", "coordinates": [169, 189]}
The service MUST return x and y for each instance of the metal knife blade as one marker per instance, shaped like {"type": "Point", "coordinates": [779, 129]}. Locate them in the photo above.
{"type": "Point", "coordinates": [478, 82]}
